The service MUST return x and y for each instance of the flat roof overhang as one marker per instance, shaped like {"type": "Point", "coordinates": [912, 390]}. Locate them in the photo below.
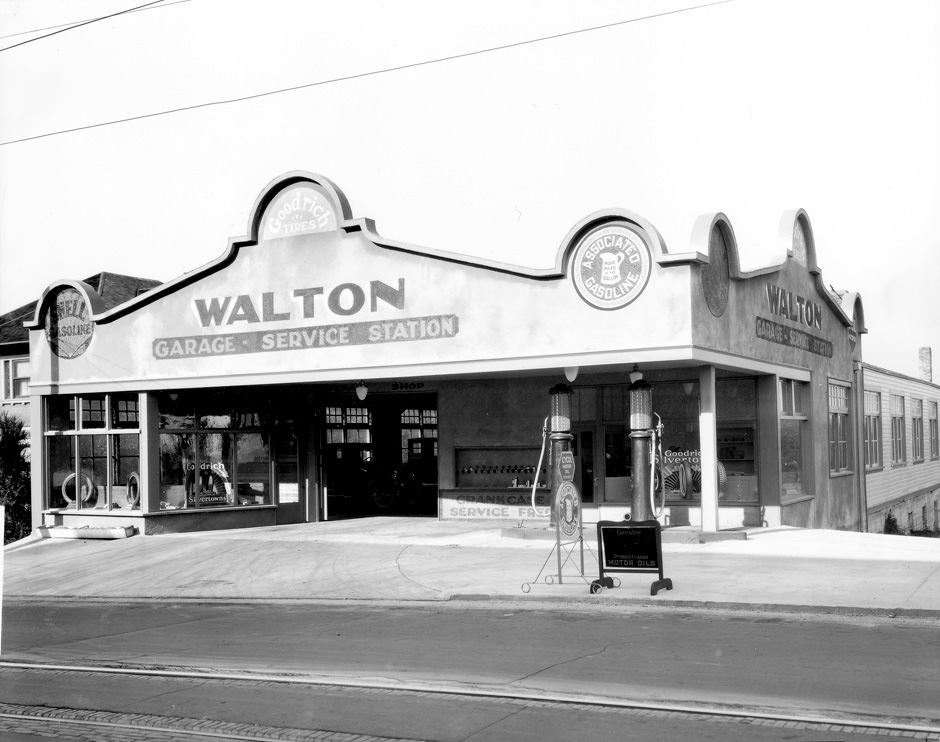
{"type": "Point", "coordinates": [649, 359]}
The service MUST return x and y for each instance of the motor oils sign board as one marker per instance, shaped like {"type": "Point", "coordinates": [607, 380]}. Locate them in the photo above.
{"type": "Point", "coordinates": [629, 546]}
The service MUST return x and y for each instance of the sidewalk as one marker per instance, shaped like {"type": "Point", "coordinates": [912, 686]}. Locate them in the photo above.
{"type": "Point", "coordinates": [413, 559]}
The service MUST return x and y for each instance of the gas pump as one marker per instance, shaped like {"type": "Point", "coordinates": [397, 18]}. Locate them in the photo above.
{"type": "Point", "coordinates": [565, 498]}
{"type": "Point", "coordinates": [642, 437]}
{"type": "Point", "coordinates": [635, 544]}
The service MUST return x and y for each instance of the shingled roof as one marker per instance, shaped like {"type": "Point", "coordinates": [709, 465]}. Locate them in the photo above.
{"type": "Point", "coordinates": [113, 288]}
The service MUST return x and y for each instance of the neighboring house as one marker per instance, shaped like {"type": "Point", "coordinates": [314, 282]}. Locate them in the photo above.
{"type": "Point", "coordinates": [14, 361]}
{"type": "Point", "coordinates": [114, 289]}
{"type": "Point", "coordinates": [901, 444]}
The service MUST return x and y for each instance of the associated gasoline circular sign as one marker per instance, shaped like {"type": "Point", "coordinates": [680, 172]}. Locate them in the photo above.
{"type": "Point", "coordinates": [69, 329]}
{"type": "Point", "coordinates": [611, 266]}
{"type": "Point", "coordinates": [568, 509]}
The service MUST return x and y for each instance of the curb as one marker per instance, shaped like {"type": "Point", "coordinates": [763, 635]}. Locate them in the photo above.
{"type": "Point", "coordinates": [479, 600]}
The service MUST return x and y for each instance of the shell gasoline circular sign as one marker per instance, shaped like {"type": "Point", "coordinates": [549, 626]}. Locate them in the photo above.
{"type": "Point", "coordinates": [611, 266]}
{"type": "Point", "coordinates": [69, 329]}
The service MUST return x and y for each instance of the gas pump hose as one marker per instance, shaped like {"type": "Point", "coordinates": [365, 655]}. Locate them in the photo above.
{"type": "Point", "coordinates": [538, 469]}
{"type": "Point", "coordinates": [656, 459]}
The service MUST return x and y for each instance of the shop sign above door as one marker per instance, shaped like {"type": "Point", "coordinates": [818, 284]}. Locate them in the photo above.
{"type": "Point", "coordinates": [302, 209]}
{"type": "Point", "coordinates": [611, 266]}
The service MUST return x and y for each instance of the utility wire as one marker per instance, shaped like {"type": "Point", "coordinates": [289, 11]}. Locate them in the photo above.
{"type": "Point", "coordinates": [72, 24]}
{"type": "Point", "coordinates": [360, 75]}
{"type": "Point", "coordinates": [78, 25]}
{"type": "Point", "coordinates": [17, 318]}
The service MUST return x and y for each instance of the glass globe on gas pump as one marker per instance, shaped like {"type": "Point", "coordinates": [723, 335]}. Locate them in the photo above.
{"type": "Point", "coordinates": [641, 435]}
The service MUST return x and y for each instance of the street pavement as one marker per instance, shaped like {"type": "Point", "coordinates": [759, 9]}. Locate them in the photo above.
{"type": "Point", "coordinates": [423, 559]}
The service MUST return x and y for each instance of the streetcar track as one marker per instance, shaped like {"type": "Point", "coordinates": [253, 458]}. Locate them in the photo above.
{"type": "Point", "coordinates": [195, 729]}
{"type": "Point", "coordinates": [703, 711]}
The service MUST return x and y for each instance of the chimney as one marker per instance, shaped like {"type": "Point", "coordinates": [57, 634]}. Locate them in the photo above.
{"type": "Point", "coordinates": [926, 364]}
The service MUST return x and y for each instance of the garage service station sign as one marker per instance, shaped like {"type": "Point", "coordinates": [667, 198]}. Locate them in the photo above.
{"type": "Point", "coordinates": [302, 304]}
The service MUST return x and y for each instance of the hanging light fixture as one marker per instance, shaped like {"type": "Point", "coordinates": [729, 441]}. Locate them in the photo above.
{"type": "Point", "coordinates": [361, 390]}
{"type": "Point", "coordinates": [571, 373]}
{"type": "Point", "coordinates": [636, 375]}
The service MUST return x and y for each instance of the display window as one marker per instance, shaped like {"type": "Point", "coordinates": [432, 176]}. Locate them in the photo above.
{"type": "Point", "coordinates": [213, 453]}
{"type": "Point", "coordinates": [93, 452]}
{"type": "Point", "coordinates": [794, 440]}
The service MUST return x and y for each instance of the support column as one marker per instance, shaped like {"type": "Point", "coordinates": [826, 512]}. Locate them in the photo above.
{"type": "Point", "coordinates": [149, 448]}
{"type": "Point", "coordinates": [708, 444]}
{"type": "Point", "coordinates": [37, 452]}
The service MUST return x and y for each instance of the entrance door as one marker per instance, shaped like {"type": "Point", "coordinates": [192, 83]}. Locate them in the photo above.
{"type": "Point", "coordinates": [616, 463]}
{"type": "Point", "coordinates": [290, 490]}
{"type": "Point", "coordinates": [583, 449]}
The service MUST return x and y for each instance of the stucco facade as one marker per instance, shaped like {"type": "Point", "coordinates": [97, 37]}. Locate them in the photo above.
{"type": "Point", "coordinates": [276, 383]}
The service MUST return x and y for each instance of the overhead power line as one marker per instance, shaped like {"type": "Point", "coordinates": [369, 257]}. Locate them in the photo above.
{"type": "Point", "coordinates": [78, 25]}
{"type": "Point", "coordinates": [360, 75]}
{"type": "Point", "coordinates": [72, 24]}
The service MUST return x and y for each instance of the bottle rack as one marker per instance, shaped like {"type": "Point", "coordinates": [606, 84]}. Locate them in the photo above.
{"type": "Point", "coordinates": [499, 468]}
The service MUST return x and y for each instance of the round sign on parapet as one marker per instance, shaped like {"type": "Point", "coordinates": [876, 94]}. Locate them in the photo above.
{"type": "Point", "coordinates": [611, 266]}
{"type": "Point", "coordinates": [69, 327]}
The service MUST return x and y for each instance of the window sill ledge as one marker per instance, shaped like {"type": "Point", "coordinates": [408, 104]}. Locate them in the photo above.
{"type": "Point", "coordinates": [795, 499]}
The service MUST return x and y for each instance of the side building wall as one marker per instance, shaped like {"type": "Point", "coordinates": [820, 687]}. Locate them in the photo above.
{"type": "Point", "coordinates": [902, 476]}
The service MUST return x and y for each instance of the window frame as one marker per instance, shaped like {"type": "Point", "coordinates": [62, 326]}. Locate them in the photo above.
{"type": "Point", "coordinates": [83, 446]}
{"type": "Point", "coordinates": [221, 417]}
{"type": "Point", "coordinates": [874, 442]}
{"type": "Point", "coordinates": [340, 420]}
{"type": "Point", "coordinates": [932, 426]}
{"type": "Point", "coordinates": [840, 428]}
{"type": "Point", "coordinates": [917, 430]}
{"type": "Point", "coordinates": [793, 405]}
{"type": "Point", "coordinates": [419, 422]}
{"type": "Point", "coordinates": [898, 432]}
{"type": "Point", "coordinates": [11, 380]}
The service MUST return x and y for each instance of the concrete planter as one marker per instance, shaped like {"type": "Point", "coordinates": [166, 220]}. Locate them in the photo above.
{"type": "Point", "coordinates": [88, 532]}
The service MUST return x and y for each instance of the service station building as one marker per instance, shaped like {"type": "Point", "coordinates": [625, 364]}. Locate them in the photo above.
{"type": "Point", "coordinates": [317, 370]}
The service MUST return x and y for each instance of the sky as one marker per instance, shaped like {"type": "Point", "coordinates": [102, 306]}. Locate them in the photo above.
{"type": "Point", "coordinates": [138, 143]}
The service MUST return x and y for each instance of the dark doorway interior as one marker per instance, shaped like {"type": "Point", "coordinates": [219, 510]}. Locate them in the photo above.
{"type": "Point", "coordinates": [380, 455]}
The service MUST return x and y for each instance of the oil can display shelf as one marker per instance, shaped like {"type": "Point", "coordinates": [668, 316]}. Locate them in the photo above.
{"type": "Point", "coordinates": [736, 448]}
{"type": "Point", "coordinates": [499, 468]}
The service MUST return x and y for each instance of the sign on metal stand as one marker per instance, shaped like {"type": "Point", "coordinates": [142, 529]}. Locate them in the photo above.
{"type": "Point", "coordinates": [568, 525]}
{"type": "Point", "coordinates": [629, 546]}
{"type": "Point", "coordinates": [568, 510]}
